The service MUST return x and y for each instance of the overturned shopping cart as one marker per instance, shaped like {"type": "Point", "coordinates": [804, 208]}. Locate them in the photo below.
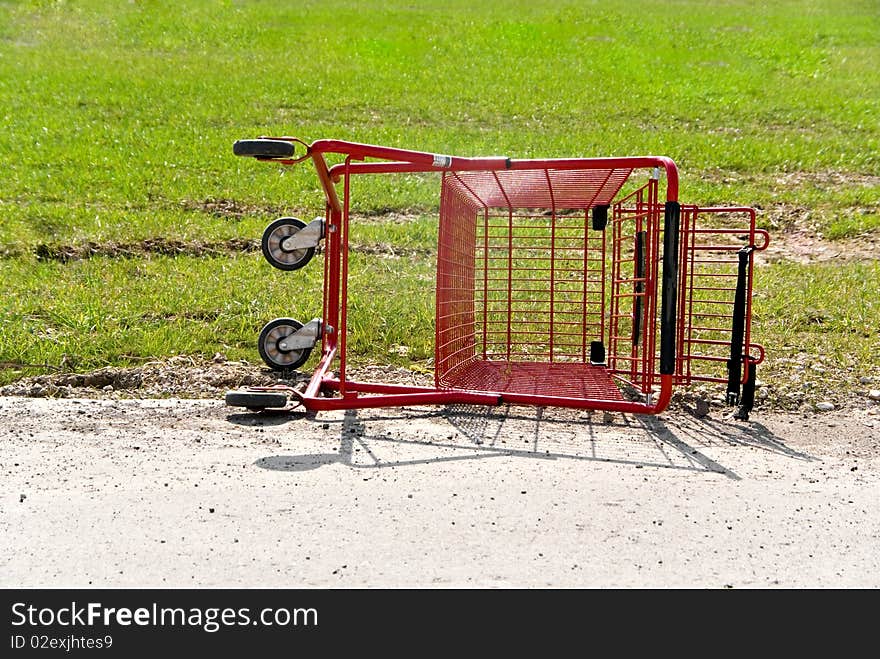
{"type": "Point", "coordinates": [571, 282]}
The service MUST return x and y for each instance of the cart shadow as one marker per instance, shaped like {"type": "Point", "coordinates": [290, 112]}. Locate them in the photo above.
{"type": "Point", "coordinates": [265, 418]}
{"type": "Point", "coordinates": [652, 442]}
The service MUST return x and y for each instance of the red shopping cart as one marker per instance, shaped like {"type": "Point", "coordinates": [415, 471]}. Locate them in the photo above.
{"type": "Point", "coordinates": [571, 282]}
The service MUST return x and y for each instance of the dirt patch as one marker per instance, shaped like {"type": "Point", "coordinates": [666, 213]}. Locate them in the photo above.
{"type": "Point", "coordinates": [781, 181]}
{"type": "Point", "coordinates": [806, 246]}
{"type": "Point", "coordinates": [230, 208]}
{"type": "Point", "coordinates": [182, 377]}
{"type": "Point", "coordinates": [825, 179]}
{"type": "Point", "coordinates": [388, 250]}
{"type": "Point", "coordinates": [799, 385]}
{"type": "Point", "coordinates": [161, 246]}
{"type": "Point", "coordinates": [170, 247]}
{"type": "Point", "coordinates": [233, 209]}
{"type": "Point", "coordinates": [794, 236]}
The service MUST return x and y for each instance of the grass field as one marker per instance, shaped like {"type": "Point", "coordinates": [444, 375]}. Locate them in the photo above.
{"type": "Point", "coordinates": [118, 121]}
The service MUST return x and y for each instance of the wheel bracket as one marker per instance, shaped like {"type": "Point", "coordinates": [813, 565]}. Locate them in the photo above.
{"type": "Point", "coordinates": [304, 338]}
{"type": "Point", "coordinates": [308, 236]}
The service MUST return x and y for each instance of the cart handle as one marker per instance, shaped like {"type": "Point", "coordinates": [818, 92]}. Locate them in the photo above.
{"type": "Point", "coordinates": [412, 161]}
{"type": "Point", "coordinates": [422, 159]}
{"type": "Point", "coordinates": [283, 151]}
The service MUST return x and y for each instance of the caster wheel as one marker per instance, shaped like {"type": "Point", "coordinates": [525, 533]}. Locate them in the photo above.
{"type": "Point", "coordinates": [275, 254]}
{"type": "Point", "coordinates": [256, 401]}
{"type": "Point", "coordinates": [272, 335]}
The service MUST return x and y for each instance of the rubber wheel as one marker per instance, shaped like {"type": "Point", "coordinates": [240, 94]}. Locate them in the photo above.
{"type": "Point", "coordinates": [264, 148]}
{"type": "Point", "coordinates": [273, 333]}
{"type": "Point", "coordinates": [256, 400]}
{"type": "Point", "coordinates": [275, 254]}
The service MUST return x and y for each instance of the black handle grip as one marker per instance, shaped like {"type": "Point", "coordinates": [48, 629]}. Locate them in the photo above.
{"type": "Point", "coordinates": [670, 288]}
{"type": "Point", "coordinates": [264, 148]}
{"type": "Point", "coordinates": [641, 267]}
{"type": "Point", "coordinates": [738, 330]}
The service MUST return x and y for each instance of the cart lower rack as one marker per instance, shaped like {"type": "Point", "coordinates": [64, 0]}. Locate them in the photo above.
{"type": "Point", "coordinates": [577, 282]}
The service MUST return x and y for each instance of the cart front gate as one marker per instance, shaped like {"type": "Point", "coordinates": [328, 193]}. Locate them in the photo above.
{"type": "Point", "coordinates": [567, 282]}
{"type": "Point", "coordinates": [715, 275]}
{"type": "Point", "coordinates": [715, 300]}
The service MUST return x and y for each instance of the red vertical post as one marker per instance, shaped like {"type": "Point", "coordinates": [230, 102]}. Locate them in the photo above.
{"type": "Point", "coordinates": [651, 284]}
{"type": "Point", "coordinates": [509, 275]}
{"type": "Point", "coordinates": [586, 271]}
{"type": "Point", "coordinates": [343, 318]}
{"type": "Point", "coordinates": [485, 278]}
{"type": "Point", "coordinates": [552, 259]}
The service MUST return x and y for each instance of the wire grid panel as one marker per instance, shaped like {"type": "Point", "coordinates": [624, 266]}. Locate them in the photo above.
{"type": "Point", "coordinates": [520, 284]}
{"type": "Point", "coordinates": [634, 255]}
{"type": "Point", "coordinates": [541, 292]}
{"type": "Point", "coordinates": [456, 280]}
{"type": "Point", "coordinates": [557, 189]}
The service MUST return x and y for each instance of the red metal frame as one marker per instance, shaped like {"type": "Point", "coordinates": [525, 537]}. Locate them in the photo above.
{"type": "Point", "coordinates": [506, 224]}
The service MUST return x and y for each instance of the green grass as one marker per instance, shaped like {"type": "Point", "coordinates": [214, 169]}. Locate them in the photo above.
{"type": "Point", "coordinates": [828, 309]}
{"type": "Point", "coordinates": [118, 121]}
{"type": "Point", "coordinates": [87, 314]}
{"type": "Point", "coordinates": [134, 106]}
{"type": "Point", "coordinates": [819, 325]}
{"type": "Point", "coordinates": [852, 224]}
